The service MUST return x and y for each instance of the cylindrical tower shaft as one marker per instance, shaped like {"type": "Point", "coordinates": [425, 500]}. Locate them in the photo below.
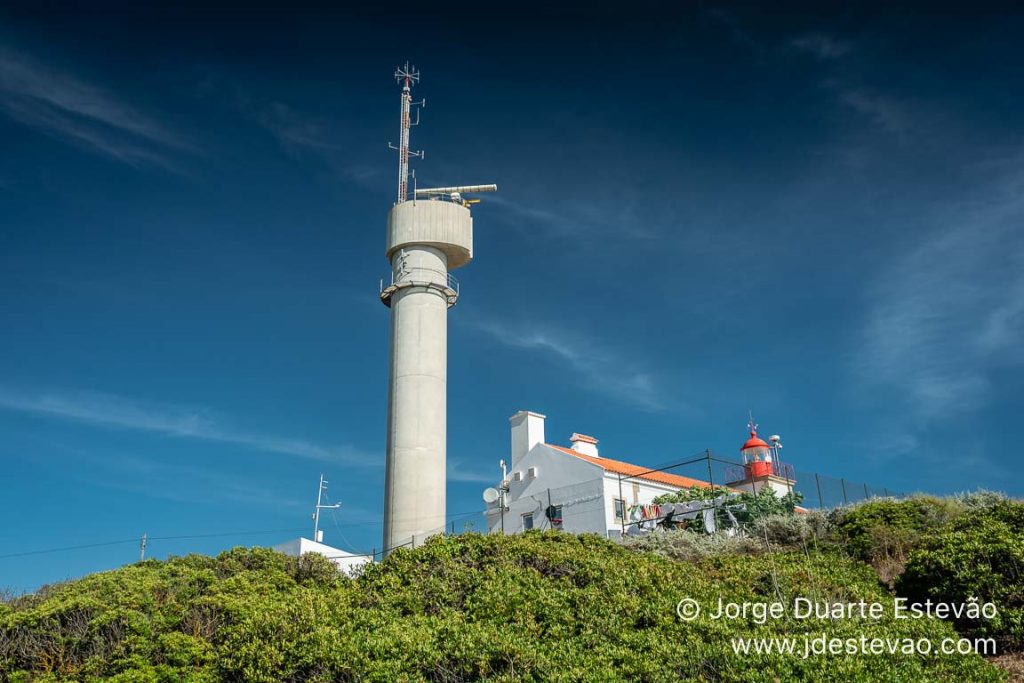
{"type": "Point", "coordinates": [417, 421]}
{"type": "Point", "coordinates": [426, 238]}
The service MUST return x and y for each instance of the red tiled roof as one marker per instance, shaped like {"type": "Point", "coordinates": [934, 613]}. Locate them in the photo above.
{"type": "Point", "coordinates": [625, 468]}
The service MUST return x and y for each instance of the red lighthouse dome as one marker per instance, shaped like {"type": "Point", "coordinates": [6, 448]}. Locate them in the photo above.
{"type": "Point", "coordinates": [753, 442]}
{"type": "Point", "coordinates": [757, 458]}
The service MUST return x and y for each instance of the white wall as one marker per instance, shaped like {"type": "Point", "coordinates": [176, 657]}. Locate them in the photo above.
{"type": "Point", "coordinates": [344, 561]}
{"type": "Point", "coordinates": [573, 483]}
{"type": "Point", "coordinates": [634, 492]}
{"type": "Point", "coordinates": [585, 490]}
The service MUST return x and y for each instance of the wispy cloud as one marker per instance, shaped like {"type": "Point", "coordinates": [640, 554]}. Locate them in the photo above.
{"type": "Point", "coordinates": [821, 45]}
{"type": "Point", "coordinates": [459, 471]}
{"type": "Point", "coordinates": [887, 112]}
{"type": "Point", "coordinates": [944, 318]}
{"type": "Point", "coordinates": [568, 218]}
{"type": "Point", "coordinates": [111, 411]}
{"type": "Point", "coordinates": [597, 367]}
{"type": "Point", "coordinates": [300, 135]}
{"type": "Point", "coordinates": [516, 213]}
{"type": "Point", "coordinates": [136, 474]}
{"type": "Point", "coordinates": [731, 22]}
{"type": "Point", "coordinates": [296, 134]}
{"type": "Point", "coordinates": [71, 109]}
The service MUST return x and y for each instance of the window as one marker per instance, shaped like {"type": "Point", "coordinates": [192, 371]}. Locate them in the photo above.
{"type": "Point", "coordinates": [528, 521]}
{"type": "Point", "coordinates": [620, 508]}
{"type": "Point", "coordinates": [554, 515]}
{"type": "Point", "coordinates": [532, 473]}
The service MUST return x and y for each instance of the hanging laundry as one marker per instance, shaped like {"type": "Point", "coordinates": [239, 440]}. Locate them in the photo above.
{"type": "Point", "coordinates": [709, 520]}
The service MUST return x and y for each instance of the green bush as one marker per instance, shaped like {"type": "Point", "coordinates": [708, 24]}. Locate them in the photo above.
{"type": "Point", "coordinates": [781, 531]}
{"type": "Point", "coordinates": [979, 499]}
{"type": "Point", "coordinates": [792, 530]}
{"type": "Point", "coordinates": [533, 607]}
{"type": "Point", "coordinates": [980, 556]}
{"type": "Point", "coordinates": [882, 532]}
{"type": "Point", "coordinates": [686, 546]}
{"type": "Point", "coordinates": [860, 525]}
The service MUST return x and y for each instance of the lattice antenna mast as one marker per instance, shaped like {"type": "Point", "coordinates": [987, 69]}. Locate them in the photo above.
{"type": "Point", "coordinates": [407, 76]}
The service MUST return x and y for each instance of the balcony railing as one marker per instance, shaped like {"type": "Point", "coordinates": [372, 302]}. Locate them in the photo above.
{"type": "Point", "coordinates": [782, 470]}
{"type": "Point", "coordinates": [450, 291]}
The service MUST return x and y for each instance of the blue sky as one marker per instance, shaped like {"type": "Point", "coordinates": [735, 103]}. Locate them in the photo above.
{"type": "Point", "coordinates": [815, 215]}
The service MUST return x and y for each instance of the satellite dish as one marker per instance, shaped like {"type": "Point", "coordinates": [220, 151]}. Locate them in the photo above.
{"type": "Point", "coordinates": [775, 438]}
{"type": "Point", "coordinates": [490, 496]}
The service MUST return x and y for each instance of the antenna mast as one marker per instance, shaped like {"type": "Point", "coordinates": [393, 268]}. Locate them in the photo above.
{"type": "Point", "coordinates": [407, 76]}
{"type": "Point", "coordinates": [317, 534]}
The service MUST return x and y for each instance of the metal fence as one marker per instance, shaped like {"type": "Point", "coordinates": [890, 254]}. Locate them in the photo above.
{"type": "Point", "coordinates": [817, 490]}
{"type": "Point", "coordinates": [703, 469]}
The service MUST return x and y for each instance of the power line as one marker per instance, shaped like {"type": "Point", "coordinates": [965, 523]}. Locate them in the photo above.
{"type": "Point", "coordinates": [99, 544]}
{"type": "Point", "coordinates": [70, 547]}
{"type": "Point", "coordinates": [136, 540]}
{"type": "Point", "coordinates": [226, 533]}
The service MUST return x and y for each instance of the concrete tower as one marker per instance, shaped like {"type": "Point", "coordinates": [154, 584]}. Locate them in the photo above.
{"type": "Point", "coordinates": [427, 236]}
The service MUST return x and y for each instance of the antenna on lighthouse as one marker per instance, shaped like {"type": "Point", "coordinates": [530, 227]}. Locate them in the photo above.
{"type": "Point", "coordinates": [751, 425]}
{"type": "Point", "coordinates": [407, 76]}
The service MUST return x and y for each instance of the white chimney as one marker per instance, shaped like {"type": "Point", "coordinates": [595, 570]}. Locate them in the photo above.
{"type": "Point", "coordinates": [587, 445]}
{"type": "Point", "coordinates": [527, 432]}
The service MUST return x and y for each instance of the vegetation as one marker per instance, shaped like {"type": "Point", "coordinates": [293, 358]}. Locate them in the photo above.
{"type": "Point", "coordinates": [550, 607]}
{"type": "Point", "coordinates": [883, 532]}
{"type": "Point", "coordinates": [979, 557]}
{"type": "Point", "coordinates": [535, 607]}
{"type": "Point", "coordinates": [943, 549]}
{"type": "Point", "coordinates": [746, 507]}
{"type": "Point", "coordinates": [787, 532]}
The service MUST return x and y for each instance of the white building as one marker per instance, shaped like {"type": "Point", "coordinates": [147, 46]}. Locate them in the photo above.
{"type": "Point", "coordinates": [345, 561]}
{"type": "Point", "coordinates": [575, 489]}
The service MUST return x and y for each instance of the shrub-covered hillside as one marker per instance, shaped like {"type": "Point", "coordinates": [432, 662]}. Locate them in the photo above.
{"type": "Point", "coordinates": [537, 607]}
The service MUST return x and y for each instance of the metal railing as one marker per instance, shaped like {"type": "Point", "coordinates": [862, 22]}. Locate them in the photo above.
{"type": "Point", "coordinates": [450, 288]}
{"type": "Point", "coordinates": [818, 490]}
{"type": "Point", "coordinates": [453, 283]}
{"type": "Point", "coordinates": [782, 470]}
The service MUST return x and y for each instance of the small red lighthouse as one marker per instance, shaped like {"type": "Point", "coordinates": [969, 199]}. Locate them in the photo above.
{"type": "Point", "coordinates": [761, 465]}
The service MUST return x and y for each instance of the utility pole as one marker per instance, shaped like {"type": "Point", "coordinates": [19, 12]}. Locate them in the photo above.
{"type": "Point", "coordinates": [548, 512]}
{"type": "Point", "coordinates": [622, 499]}
{"type": "Point", "coordinates": [711, 483]}
{"type": "Point", "coordinates": [317, 534]}
{"type": "Point", "coordinates": [502, 491]}
{"type": "Point", "coordinates": [142, 546]}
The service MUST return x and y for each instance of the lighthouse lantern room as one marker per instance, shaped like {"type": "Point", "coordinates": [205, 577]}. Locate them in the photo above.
{"type": "Point", "coordinates": [761, 466]}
